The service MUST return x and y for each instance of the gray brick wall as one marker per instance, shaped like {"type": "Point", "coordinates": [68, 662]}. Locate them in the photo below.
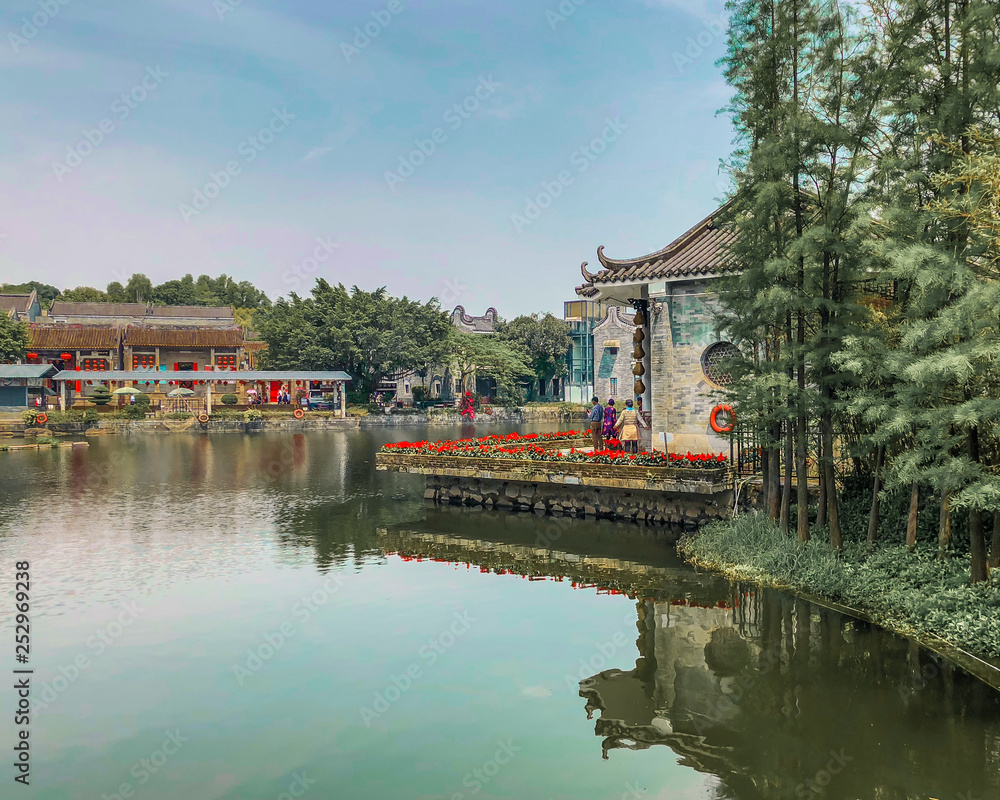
{"type": "Point", "coordinates": [617, 325]}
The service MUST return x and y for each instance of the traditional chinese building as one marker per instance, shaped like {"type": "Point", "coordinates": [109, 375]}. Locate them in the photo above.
{"type": "Point", "coordinates": [675, 353]}
{"type": "Point", "coordinates": [21, 307]}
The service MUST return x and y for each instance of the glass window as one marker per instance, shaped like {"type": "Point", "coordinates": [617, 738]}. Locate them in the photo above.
{"type": "Point", "coordinates": [614, 387]}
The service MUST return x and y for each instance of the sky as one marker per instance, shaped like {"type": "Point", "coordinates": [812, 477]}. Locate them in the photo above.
{"type": "Point", "coordinates": [474, 152]}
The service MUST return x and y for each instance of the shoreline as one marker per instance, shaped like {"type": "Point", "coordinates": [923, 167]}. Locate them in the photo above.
{"type": "Point", "coordinates": [980, 665]}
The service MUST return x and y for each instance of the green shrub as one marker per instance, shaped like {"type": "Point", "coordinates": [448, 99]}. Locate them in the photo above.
{"type": "Point", "coordinates": [230, 399]}
{"type": "Point", "coordinates": [419, 394]}
{"type": "Point", "coordinates": [253, 415]}
{"type": "Point", "coordinates": [90, 416]}
{"type": "Point", "coordinates": [912, 592]}
{"type": "Point", "coordinates": [143, 399]}
{"type": "Point", "coordinates": [137, 411]}
{"type": "Point", "coordinates": [100, 395]}
{"type": "Point", "coordinates": [29, 415]}
{"type": "Point", "coordinates": [47, 440]}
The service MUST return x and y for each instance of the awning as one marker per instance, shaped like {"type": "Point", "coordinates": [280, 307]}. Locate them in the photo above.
{"type": "Point", "coordinates": [612, 343]}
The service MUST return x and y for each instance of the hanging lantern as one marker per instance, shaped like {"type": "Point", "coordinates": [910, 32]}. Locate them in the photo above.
{"type": "Point", "coordinates": [639, 388]}
{"type": "Point", "coordinates": [639, 319]}
{"type": "Point", "coordinates": [89, 383]}
{"type": "Point", "coordinates": [32, 355]}
{"type": "Point", "coordinates": [638, 369]}
{"type": "Point", "coordinates": [638, 354]}
{"type": "Point", "coordinates": [638, 336]}
{"type": "Point", "coordinates": [66, 356]}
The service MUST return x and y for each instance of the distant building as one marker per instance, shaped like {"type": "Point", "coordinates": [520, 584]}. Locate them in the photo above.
{"type": "Point", "coordinates": [21, 307]}
{"type": "Point", "coordinates": [440, 380]}
{"type": "Point", "coordinates": [121, 314]}
{"type": "Point", "coordinates": [21, 384]}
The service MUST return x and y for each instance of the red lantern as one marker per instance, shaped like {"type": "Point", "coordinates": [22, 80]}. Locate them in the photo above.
{"type": "Point", "coordinates": [89, 383]}
{"type": "Point", "coordinates": [32, 355]}
{"type": "Point", "coordinates": [66, 356]}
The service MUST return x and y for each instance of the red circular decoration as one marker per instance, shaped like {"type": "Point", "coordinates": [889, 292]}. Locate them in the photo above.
{"type": "Point", "coordinates": [66, 356]}
{"type": "Point", "coordinates": [32, 355]}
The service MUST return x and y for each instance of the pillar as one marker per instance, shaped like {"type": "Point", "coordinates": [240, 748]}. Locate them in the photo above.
{"type": "Point", "coordinates": [343, 398]}
{"type": "Point", "coordinates": [62, 395]}
{"type": "Point", "coordinates": [208, 396]}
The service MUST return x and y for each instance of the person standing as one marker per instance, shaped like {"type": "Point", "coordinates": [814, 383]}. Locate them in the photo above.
{"type": "Point", "coordinates": [628, 424]}
{"type": "Point", "coordinates": [597, 424]}
{"type": "Point", "coordinates": [610, 418]}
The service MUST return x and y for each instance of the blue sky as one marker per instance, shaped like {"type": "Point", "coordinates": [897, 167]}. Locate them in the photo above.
{"type": "Point", "coordinates": [238, 135]}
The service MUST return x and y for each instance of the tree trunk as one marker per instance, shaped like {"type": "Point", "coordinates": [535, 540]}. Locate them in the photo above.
{"type": "Point", "coordinates": [786, 493]}
{"type": "Point", "coordinates": [995, 545]}
{"type": "Point", "coordinates": [873, 515]}
{"type": "Point", "coordinates": [821, 509]}
{"type": "Point", "coordinates": [977, 538]}
{"type": "Point", "coordinates": [826, 425]}
{"type": "Point", "coordinates": [774, 476]}
{"type": "Point", "coordinates": [911, 520]}
{"type": "Point", "coordinates": [801, 468]}
{"type": "Point", "coordinates": [944, 524]}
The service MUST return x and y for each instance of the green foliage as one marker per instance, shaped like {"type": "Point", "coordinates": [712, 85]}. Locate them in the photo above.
{"type": "Point", "coordinates": [543, 341]}
{"type": "Point", "coordinates": [420, 393]}
{"type": "Point", "coordinates": [90, 416]}
{"type": "Point", "coordinates": [84, 294]}
{"type": "Point", "coordinates": [178, 415]}
{"type": "Point", "coordinates": [368, 334]}
{"type": "Point", "coordinates": [29, 415]}
{"type": "Point", "coordinates": [230, 399]}
{"type": "Point", "coordinates": [912, 592]}
{"type": "Point", "coordinates": [137, 411]}
{"type": "Point", "coordinates": [489, 356]}
{"type": "Point", "coordinates": [100, 395]}
{"type": "Point", "coordinates": [253, 415]}
{"type": "Point", "coordinates": [14, 340]}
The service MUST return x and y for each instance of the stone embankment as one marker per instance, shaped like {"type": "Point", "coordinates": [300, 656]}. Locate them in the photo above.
{"type": "Point", "coordinates": [651, 507]}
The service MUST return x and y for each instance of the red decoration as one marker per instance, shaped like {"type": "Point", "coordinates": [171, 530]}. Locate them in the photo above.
{"type": "Point", "coordinates": [32, 355]}
{"type": "Point", "coordinates": [66, 356]}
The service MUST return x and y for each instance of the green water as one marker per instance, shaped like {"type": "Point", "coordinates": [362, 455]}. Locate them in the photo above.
{"type": "Point", "coordinates": [267, 617]}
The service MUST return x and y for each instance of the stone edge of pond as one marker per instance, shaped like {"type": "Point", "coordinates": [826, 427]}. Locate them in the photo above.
{"type": "Point", "coordinates": [986, 670]}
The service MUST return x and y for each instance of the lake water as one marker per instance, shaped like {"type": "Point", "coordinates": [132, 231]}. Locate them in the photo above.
{"type": "Point", "coordinates": [266, 616]}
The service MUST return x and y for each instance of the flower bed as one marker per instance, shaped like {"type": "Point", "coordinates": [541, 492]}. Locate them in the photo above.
{"type": "Point", "coordinates": [509, 448]}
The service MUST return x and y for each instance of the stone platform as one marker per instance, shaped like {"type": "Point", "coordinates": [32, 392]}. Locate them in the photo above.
{"type": "Point", "coordinates": [651, 495]}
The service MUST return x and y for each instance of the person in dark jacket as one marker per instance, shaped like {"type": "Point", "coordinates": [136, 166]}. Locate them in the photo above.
{"type": "Point", "coordinates": [597, 424]}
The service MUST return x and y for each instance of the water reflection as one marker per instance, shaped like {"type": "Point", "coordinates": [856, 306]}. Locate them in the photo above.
{"type": "Point", "coordinates": [773, 695]}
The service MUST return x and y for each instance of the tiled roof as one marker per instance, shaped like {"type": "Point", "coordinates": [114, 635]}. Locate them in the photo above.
{"type": "Point", "coordinates": [204, 312]}
{"type": "Point", "coordinates": [62, 308]}
{"type": "Point", "coordinates": [698, 252]}
{"type": "Point", "coordinates": [27, 370]}
{"type": "Point", "coordinates": [15, 302]}
{"type": "Point", "coordinates": [52, 336]}
{"type": "Point", "coordinates": [255, 346]}
{"type": "Point", "coordinates": [183, 337]}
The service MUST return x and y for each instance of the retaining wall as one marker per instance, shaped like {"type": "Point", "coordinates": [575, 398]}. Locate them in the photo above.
{"type": "Point", "coordinates": [649, 507]}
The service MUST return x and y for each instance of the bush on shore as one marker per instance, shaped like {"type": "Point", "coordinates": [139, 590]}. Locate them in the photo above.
{"type": "Point", "coordinates": [915, 592]}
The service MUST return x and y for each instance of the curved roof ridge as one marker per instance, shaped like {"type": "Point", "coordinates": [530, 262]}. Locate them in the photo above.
{"type": "Point", "coordinates": [615, 264]}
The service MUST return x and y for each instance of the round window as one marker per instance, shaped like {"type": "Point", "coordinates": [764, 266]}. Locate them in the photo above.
{"type": "Point", "coordinates": [715, 362]}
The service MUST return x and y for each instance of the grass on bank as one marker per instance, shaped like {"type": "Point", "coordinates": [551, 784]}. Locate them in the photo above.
{"type": "Point", "coordinates": [916, 592]}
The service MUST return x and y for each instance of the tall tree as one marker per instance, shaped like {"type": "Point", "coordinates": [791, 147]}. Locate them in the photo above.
{"type": "Point", "coordinates": [544, 339]}
{"type": "Point", "coordinates": [14, 339]}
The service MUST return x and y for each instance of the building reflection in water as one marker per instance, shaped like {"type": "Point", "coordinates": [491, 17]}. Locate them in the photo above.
{"type": "Point", "coordinates": [781, 698]}
{"type": "Point", "coordinates": [773, 695]}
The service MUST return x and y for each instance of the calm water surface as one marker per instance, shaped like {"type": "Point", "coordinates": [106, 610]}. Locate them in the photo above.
{"type": "Point", "coordinates": [244, 616]}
